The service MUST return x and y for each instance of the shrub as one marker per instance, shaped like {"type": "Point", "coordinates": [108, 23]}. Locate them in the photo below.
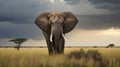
{"type": "Point", "coordinates": [94, 54]}
{"type": "Point", "coordinates": [92, 57]}
{"type": "Point", "coordinates": [77, 54]}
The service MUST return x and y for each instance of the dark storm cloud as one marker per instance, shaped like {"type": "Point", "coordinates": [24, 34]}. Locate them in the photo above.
{"type": "Point", "coordinates": [103, 21]}
{"type": "Point", "coordinates": [72, 2]}
{"type": "Point", "coordinates": [105, 1]}
{"type": "Point", "coordinates": [113, 5]}
{"type": "Point", "coordinates": [11, 30]}
{"type": "Point", "coordinates": [25, 11]}
{"type": "Point", "coordinates": [98, 21]}
{"type": "Point", "coordinates": [18, 11]}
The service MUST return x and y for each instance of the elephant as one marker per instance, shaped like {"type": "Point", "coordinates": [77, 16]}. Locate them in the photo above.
{"type": "Point", "coordinates": [54, 26]}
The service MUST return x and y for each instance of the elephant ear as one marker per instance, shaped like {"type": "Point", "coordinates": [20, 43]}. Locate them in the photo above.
{"type": "Point", "coordinates": [42, 21]}
{"type": "Point", "coordinates": [70, 22]}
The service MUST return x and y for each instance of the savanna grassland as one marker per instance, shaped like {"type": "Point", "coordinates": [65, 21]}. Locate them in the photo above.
{"type": "Point", "coordinates": [38, 57]}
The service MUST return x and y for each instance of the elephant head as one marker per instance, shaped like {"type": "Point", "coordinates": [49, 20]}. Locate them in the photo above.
{"type": "Point", "coordinates": [56, 20]}
{"type": "Point", "coordinates": [56, 24]}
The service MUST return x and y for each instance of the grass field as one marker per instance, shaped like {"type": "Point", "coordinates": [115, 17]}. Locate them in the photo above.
{"type": "Point", "coordinates": [38, 57]}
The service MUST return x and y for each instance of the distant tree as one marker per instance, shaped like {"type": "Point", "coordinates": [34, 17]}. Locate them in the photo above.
{"type": "Point", "coordinates": [110, 45]}
{"type": "Point", "coordinates": [18, 42]}
{"type": "Point", "coordinates": [94, 46]}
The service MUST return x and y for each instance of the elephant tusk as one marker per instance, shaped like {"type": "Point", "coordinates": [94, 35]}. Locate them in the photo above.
{"type": "Point", "coordinates": [51, 37]}
{"type": "Point", "coordinates": [64, 37]}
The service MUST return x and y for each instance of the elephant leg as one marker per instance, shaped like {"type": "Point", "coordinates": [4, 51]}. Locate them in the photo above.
{"type": "Point", "coordinates": [62, 44]}
{"type": "Point", "coordinates": [49, 43]}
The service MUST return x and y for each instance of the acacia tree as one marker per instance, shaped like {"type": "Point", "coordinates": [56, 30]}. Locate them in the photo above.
{"type": "Point", "coordinates": [18, 42]}
{"type": "Point", "coordinates": [111, 45]}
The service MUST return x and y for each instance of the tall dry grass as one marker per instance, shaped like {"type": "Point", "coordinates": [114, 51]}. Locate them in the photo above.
{"type": "Point", "coordinates": [38, 57]}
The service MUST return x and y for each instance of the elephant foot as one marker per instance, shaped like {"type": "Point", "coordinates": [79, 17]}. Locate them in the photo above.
{"type": "Point", "coordinates": [52, 49]}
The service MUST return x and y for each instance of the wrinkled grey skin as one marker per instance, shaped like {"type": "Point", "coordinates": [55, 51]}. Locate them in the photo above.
{"type": "Point", "coordinates": [54, 25]}
{"type": "Point", "coordinates": [56, 20]}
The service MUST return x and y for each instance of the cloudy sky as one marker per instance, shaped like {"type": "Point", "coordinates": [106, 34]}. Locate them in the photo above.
{"type": "Point", "coordinates": [99, 22]}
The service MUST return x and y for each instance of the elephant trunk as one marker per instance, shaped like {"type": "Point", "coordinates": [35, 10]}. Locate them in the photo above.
{"type": "Point", "coordinates": [57, 33]}
{"type": "Point", "coordinates": [57, 41]}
